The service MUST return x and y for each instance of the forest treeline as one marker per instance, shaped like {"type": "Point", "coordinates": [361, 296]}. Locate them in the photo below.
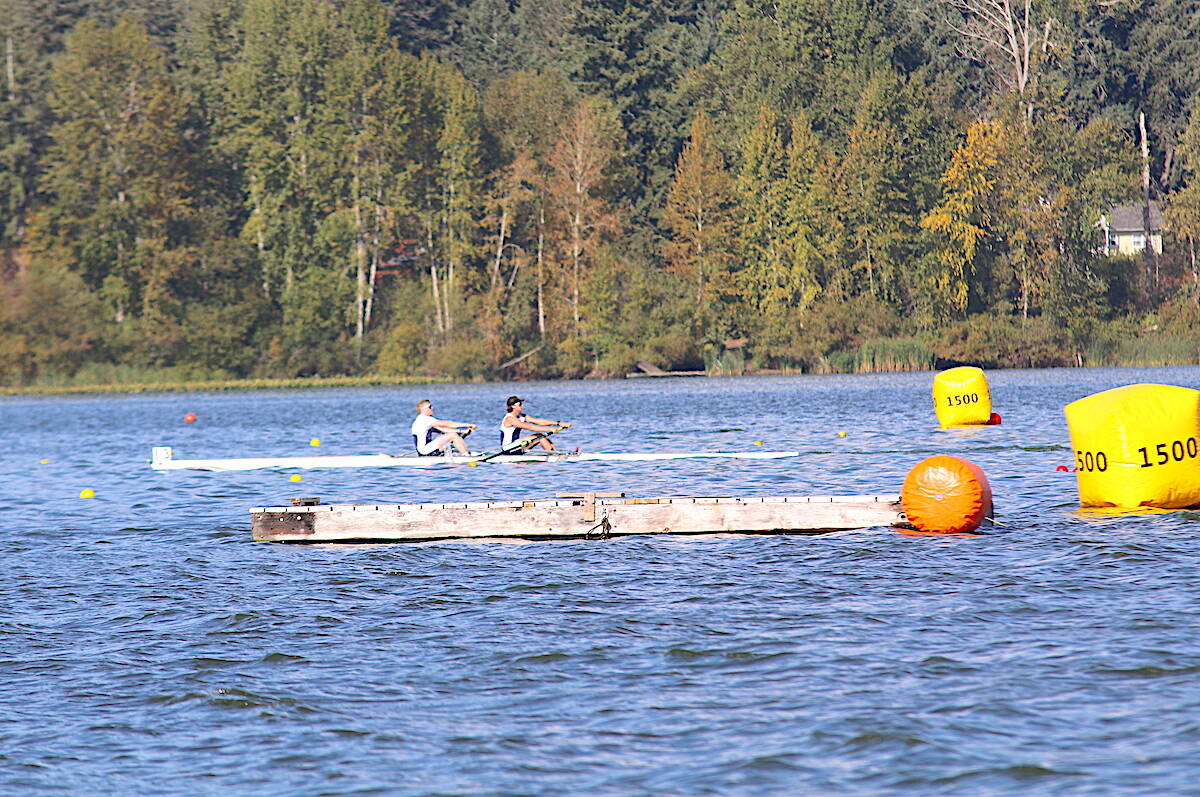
{"type": "Point", "coordinates": [215, 189]}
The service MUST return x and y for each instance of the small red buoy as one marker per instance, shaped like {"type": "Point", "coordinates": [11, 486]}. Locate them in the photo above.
{"type": "Point", "coordinates": [1062, 469]}
{"type": "Point", "coordinates": [189, 418]}
{"type": "Point", "coordinates": [946, 495]}
{"type": "Point", "coordinates": [994, 419]}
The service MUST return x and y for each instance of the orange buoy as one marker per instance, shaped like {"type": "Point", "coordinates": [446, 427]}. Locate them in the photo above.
{"type": "Point", "coordinates": [189, 418]}
{"type": "Point", "coordinates": [946, 495]}
{"type": "Point", "coordinates": [994, 419]}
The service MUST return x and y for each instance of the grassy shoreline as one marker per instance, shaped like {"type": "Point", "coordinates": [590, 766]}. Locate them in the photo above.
{"type": "Point", "coordinates": [222, 384]}
{"type": "Point", "coordinates": [185, 386]}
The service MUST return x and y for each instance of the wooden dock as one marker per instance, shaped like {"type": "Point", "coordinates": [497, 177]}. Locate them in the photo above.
{"type": "Point", "coordinates": [577, 516]}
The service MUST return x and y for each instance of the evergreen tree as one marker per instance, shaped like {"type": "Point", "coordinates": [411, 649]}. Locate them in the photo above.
{"type": "Point", "coordinates": [795, 55]}
{"type": "Point", "coordinates": [1183, 211]}
{"type": "Point", "coordinates": [873, 195]}
{"type": "Point", "coordinates": [634, 53]}
{"type": "Point", "coordinates": [765, 280]}
{"type": "Point", "coordinates": [278, 94]}
{"type": "Point", "coordinates": [118, 170]}
{"type": "Point", "coordinates": [700, 219]}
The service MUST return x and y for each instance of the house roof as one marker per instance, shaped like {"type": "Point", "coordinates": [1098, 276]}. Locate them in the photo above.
{"type": "Point", "coordinates": [1128, 218]}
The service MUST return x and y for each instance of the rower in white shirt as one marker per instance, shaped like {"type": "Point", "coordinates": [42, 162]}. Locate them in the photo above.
{"type": "Point", "coordinates": [515, 420]}
{"type": "Point", "coordinates": [432, 437]}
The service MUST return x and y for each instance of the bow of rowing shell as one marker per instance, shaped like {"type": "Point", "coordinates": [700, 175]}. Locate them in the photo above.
{"type": "Point", "coordinates": [585, 516]}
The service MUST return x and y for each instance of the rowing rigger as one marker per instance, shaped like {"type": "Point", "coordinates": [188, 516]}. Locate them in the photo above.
{"type": "Point", "coordinates": [162, 458]}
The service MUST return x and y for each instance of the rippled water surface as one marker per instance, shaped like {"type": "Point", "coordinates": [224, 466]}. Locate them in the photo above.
{"type": "Point", "coordinates": [147, 646]}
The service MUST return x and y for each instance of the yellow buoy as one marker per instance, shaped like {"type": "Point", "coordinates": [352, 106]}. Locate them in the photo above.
{"type": "Point", "coordinates": [44, 462]}
{"type": "Point", "coordinates": [841, 434]}
{"type": "Point", "coordinates": [961, 397]}
{"type": "Point", "coordinates": [758, 442]}
{"type": "Point", "coordinates": [946, 495]}
{"type": "Point", "coordinates": [1137, 446]}
{"type": "Point", "coordinates": [296, 477]}
{"type": "Point", "coordinates": [316, 441]}
{"type": "Point", "coordinates": [87, 492]}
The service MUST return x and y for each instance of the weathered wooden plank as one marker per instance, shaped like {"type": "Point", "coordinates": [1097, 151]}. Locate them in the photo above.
{"type": "Point", "coordinates": [556, 519]}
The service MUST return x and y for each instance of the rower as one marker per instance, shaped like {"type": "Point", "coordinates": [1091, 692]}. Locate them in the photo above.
{"type": "Point", "coordinates": [515, 420]}
{"type": "Point", "coordinates": [431, 437]}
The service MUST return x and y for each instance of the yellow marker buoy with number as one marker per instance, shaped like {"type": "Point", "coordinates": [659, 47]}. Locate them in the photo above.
{"type": "Point", "coordinates": [961, 397]}
{"type": "Point", "coordinates": [1137, 445]}
{"type": "Point", "coordinates": [296, 477]}
{"type": "Point", "coordinates": [87, 492]}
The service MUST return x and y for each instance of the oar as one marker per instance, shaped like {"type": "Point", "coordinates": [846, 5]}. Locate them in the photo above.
{"type": "Point", "coordinates": [523, 445]}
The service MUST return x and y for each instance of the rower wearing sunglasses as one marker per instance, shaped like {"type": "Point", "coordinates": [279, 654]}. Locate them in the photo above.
{"type": "Point", "coordinates": [515, 421]}
{"type": "Point", "coordinates": [432, 437]}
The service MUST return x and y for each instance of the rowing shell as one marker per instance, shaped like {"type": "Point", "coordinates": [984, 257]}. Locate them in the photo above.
{"type": "Point", "coordinates": [162, 458]}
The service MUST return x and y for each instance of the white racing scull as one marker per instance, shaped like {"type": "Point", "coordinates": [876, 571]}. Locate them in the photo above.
{"type": "Point", "coordinates": [162, 458]}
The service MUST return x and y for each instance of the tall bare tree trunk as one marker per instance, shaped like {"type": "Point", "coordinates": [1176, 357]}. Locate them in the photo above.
{"type": "Point", "coordinates": [451, 256]}
{"type": "Point", "coordinates": [439, 324]}
{"type": "Point", "coordinates": [541, 248]}
{"type": "Point", "coordinates": [378, 230]}
{"type": "Point", "coordinates": [499, 248]}
{"type": "Point", "coordinates": [576, 255]}
{"type": "Point", "coordinates": [1148, 252]}
{"type": "Point", "coordinates": [360, 262]}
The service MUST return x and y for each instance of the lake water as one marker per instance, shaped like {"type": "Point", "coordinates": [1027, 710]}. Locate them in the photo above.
{"type": "Point", "coordinates": [147, 646]}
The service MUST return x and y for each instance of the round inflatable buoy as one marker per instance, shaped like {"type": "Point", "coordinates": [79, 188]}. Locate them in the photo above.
{"type": "Point", "coordinates": [189, 418]}
{"type": "Point", "coordinates": [316, 441]}
{"type": "Point", "coordinates": [961, 397]}
{"type": "Point", "coordinates": [87, 492]}
{"type": "Point", "coordinates": [1137, 445]}
{"type": "Point", "coordinates": [946, 495]}
{"type": "Point", "coordinates": [994, 419]}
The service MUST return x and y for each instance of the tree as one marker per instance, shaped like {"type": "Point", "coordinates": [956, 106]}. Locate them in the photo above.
{"type": "Point", "coordinates": [579, 167]}
{"type": "Point", "coordinates": [118, 170]}
{"type": "Point", "coordinates": [699, 217]}
{"type": "Point", "coordinates": [282, 131]}
{"type": "Point", "coordinates": [1010, 36]}
{"type": "Point", "coordinates": [1183, 209]}
{"type": "Point", "coordinates": [524, 111]}
{"type": "Point", "coordinates": [799, 55]}
{"type": "Point", "coordinates": [1163, 56]}
{"type": "Point", "coordinates": [766, 282]}
{"type": "Point", "coordinates": [370, 105]}
{"type": "Point", "coordinates": [634, 53]}
{"type": "Point", "coordinates": [873, 195]}
{"type": "Point", "coordinates": [962, 217]}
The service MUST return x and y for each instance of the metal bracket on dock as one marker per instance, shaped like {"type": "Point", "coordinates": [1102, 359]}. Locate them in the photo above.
{"type": "Point", "coordinates": [600, 531]}
{"type": "Point", "coordinates": [589, 502]}
{"type": "Point", "coordinates": [310, 500]}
